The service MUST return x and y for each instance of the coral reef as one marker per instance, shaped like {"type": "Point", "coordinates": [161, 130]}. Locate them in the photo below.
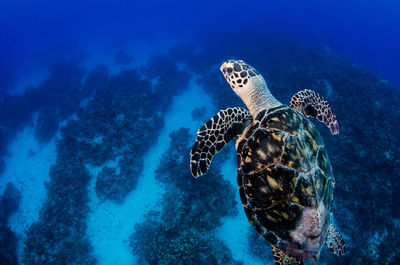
{"type": "Point", "coordinates": [122, 120]}
{"type": "Point", "coordinates": [123, 58]}
{"type": "Point", "coordinates": [9, 203]}
{"type": "Point", "coordinates": [198, 114]}
{"type": "Point", "coordinates": [111, 185]}
{"type": "Point", "coordinates": [170, 80]}
{"type": "Point", "coordinates": [182, 232]}
{"type": "Point", "coordinates": [119, 123]}
{"type": "Point", "coordinates": [8, 246]}
{"type": "Point", "coordinates": [55, 99]}
{"type": "Point", "coordinates": [58, 97]}
{"type": "Point", "coordinates": [97, 79]}
{"type": "Point", "coordinates": [3, 147]}
{"type": "Point", "coordinates": [59, 235]}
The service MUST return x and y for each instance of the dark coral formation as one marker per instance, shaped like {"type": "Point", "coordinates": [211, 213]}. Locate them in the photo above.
{"type": "Point", "coordinates": [182, 231]}
{"type": "Point", "coordinates": [59, 235]}
{"type": "Point", "coordinates": [198, 114]}
{"type": "Point", "coordinates": [58, 97]}
{"type": "Point", "coordinates": [54, 100]}
{"type": "Point", "coordinates": [123, 120]}
{"type": "Point", "coordinates": [9, 203]}
{"type": "Point", "coordinates": [113, 185]}
{"type": "Point", "coordinates": [122, 57]}
{"type": "Point", "coordinates": [364, 156]}
{"type": "Point", "coordinates": [170, 80]}
{"type": "Point", "coordinates": [119, 123]}
{"type": "Point", "coordinates": [8, 246]}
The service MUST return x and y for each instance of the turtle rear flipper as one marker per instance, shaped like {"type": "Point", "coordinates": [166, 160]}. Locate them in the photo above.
{"type": "Point", "coordinates": [335, 242]}
{"type": "Point", "coordinates": [228, 124]}
{"type": "Point", "coordinates": [281, 258]}
{"type": "Point", "coordinates": [312, 104]}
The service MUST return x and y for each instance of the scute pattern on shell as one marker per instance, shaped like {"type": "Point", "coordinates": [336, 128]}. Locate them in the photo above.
{"type": "Point", "coordinates": [282, 168]}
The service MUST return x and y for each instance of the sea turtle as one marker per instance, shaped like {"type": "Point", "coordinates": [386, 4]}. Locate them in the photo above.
{"type": "Point", "coordinates": [284, 174]}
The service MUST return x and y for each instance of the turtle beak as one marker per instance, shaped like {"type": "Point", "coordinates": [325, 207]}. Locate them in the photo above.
{"type": "Point", "coordinates": [222, 67]}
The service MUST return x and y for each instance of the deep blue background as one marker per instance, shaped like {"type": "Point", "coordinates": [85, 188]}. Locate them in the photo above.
{"type": "Point", "coordinates": [34, 33]}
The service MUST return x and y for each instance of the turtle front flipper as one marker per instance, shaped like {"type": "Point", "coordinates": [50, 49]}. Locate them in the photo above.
{"type": "Point", "coordinates": [214, 135]}
{"type": "Point", "coordinates": [281, 258]}
{"type": "Point", "coordinates": [335, 241]}
{"type": "Point", "coordinates": [312, 104]}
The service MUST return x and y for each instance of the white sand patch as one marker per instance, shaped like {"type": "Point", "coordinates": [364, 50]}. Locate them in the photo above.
{"type": "Point", "coordinates": [111, 224]}
{"type": "Point", "coordinates": [27, 167]}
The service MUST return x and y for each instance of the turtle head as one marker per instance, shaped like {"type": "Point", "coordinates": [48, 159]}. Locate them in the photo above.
{"type": "Point", "coordinates": [239, 75]}
{"type": "Point", "coordinates": [249, 85]}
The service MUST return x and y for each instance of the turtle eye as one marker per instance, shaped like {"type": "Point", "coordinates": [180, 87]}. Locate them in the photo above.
{"type": "Point", "coordinates": [229, 70]}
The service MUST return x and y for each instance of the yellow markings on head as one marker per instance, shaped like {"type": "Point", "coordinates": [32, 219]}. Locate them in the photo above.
{"type": "Point", "coordinates": [272, 183]}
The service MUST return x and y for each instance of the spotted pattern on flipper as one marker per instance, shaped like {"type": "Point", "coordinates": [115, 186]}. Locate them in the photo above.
{"type": "Point", "coordinates": [312, 104]}
{"type": "Point", "coordinates": [335, 241]}
{"type": "Point", "coordinates": [226, 125]}
{"type": "Point", "coordinates": [281, 258]}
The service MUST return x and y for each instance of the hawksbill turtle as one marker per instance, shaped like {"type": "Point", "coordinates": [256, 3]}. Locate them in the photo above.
{"type": "Point", "coordinates": [284, 174]}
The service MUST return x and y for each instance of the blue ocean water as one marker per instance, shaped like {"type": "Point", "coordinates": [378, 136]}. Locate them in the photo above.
{"type": "Point", "coordinates": [101, 102]}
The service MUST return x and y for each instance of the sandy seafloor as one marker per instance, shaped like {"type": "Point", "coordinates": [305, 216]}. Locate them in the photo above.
{"type": "Point", "coordinates": [110, 224]}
